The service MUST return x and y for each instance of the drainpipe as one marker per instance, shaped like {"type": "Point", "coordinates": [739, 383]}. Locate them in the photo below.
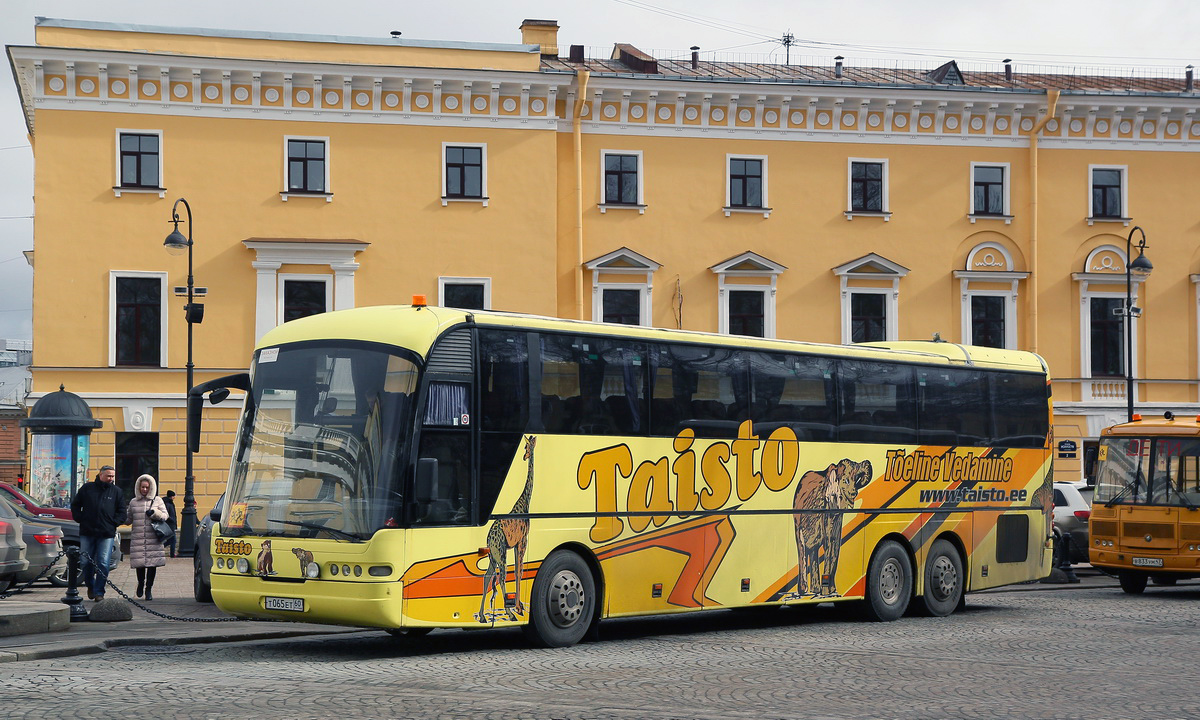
{"type": "Point", "coordinates": [1052, 103]}
{"type": "Point", "coordinates": [581, 83]}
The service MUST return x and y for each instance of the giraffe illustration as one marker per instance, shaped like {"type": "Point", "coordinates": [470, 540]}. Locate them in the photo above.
{"type": "Point", "coordinates": [508, 533]}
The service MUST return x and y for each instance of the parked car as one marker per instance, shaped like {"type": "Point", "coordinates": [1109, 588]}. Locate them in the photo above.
{"type": "Point", "coordinates": [202, 565]}
{"type": "Point", "coordinates": [19, 497]}
{"type": "Point", "coordinates": [1072, 510]}
{"type": "Point", "coordinates": [43, 548]}
{"type": "Point", "coordinates": [12, 546]}
{"type": "Point", "coordinates": [66, 530]}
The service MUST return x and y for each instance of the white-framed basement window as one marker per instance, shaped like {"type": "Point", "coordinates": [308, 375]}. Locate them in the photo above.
{"type": "Point", "coordinates": [465, 293]}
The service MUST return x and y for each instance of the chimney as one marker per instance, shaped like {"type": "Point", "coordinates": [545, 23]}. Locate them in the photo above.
{"type": "Point", "coordinates": [695, 56]}
{"type": "Point", "coordinates": [1191, 80]}
{"type": "Point", "coordinates": [577, 53]}
{"type": "Point", "coordinates": [1008, 70]}
{"type": "Point", "coordinates": [837, 67]}
{"type": "Point", "coordinates": [543, 33]}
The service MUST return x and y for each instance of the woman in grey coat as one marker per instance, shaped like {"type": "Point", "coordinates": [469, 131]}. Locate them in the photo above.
{"type": "Point", "coordinates": [145, 549]}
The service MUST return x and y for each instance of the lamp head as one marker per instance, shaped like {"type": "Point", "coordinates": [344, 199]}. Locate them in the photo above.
{"type": "Point", "coordinates": [176, 243]}
{"type": "Point", "coordinates": [1141, 265]}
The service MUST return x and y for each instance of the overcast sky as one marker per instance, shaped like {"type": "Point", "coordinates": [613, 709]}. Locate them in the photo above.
{"type": "Point", "coordinates": [1158, 33]}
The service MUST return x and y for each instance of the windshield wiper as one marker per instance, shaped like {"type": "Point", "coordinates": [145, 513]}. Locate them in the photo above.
{"type": "Point", "coordinates": [1130, 485]}
{"type": "Point", "coordinates": [314, 526]}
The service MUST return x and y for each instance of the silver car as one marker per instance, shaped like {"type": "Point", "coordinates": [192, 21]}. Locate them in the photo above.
{"type": "Point", "coordinates": [1072, 510]}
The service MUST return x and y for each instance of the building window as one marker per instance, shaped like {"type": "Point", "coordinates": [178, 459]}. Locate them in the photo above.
{"type": "Point", "coordinates": [1107, 336]}
{"type": "Point", "coordinates": [308, 167]}
{"type": "Point", "coordinates": [867, 187]}
{"type": "Point", "coordinates": [140, 160]}
{"type": "Point", "coordinates": [621, 179]}
{"type": "Point", "coordinates": [622, 306]}
{"type": "Point", "coordinates": [987, 321]}
{"type": "Point", "coordinates": [464, 172]}
{"type": "Point", "coordinates": [747, 183]}
{"type": "Point", "coordinates": [868, 317]}
{"type": "Point", "coordinates": [747, 313]}
{"type": "Point", "coordinates": [1107, 193]}
{"type": "Point", "coordinates": [303, 296]}
{"type": "Point", "coordinates": [138, 320]}
{"type": "Point", "coordinates": [465, 293]}
{"type": "Point", "coordinates": [136, 454]}
{"type": "Point", "coordinates": [988, 191]}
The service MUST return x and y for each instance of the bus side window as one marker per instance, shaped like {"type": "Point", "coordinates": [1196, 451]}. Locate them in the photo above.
{"type": "Point", "coordinates": [878, 402]}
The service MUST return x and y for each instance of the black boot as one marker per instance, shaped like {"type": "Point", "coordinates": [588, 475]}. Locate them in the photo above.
{"type": "Point", "coordinates": [141, 576]}
{"type": "Point", "coordinates": [150, 572]}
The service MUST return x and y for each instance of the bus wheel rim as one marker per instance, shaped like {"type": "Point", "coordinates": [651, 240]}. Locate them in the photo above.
{"type": "Point", "coordinates": [889, 581]}
{"type": "Point", "coordinates": [566, 599]}
{"type": "Point", "coordinates": [944, 578]}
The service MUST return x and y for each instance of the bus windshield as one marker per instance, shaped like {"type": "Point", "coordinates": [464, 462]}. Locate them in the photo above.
{"type": "Point", "coordinates": [1149, 471]}
{"type": "Point", "coordinates": [320, 449]}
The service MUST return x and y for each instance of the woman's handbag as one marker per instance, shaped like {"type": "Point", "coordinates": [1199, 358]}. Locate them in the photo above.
{"type": "Point", "coordinates": [164, 531]}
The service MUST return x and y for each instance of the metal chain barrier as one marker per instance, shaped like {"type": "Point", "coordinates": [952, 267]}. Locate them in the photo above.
{"type": "Point", "coordinates": [135, 603]}
{"type": "Point", "coordinates": [40, 576]}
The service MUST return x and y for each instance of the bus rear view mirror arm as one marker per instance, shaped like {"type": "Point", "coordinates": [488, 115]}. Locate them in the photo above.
{"type": "Point", "coordinates": [219, 388]}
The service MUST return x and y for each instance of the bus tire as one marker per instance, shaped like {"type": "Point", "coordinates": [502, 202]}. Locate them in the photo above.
{"type": "Point", "coordinates": [943, 580]}
{"type": "Point", "coordinates": [1132, 581]}
{"type": "Point", "coordinates": [889, 583]}
{"type": "Point", "coordinates": [563, 601]}
{"type": "Point", "coordinates": [1165, 580]}
{"type": "Point", "coordinates": [409, 633]}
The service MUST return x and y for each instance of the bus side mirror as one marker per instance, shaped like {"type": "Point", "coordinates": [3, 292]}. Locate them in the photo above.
{"type": "Point", "coordinates": [195, 402]}
{"type": "Point", "coordinates": [427, 475]}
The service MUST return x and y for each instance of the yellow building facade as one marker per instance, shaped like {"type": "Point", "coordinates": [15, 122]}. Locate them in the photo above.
{"type": "Point", "coordinates": [828, 204]}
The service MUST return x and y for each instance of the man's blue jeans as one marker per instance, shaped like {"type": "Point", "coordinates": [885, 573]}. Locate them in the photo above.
{"type": "Point", "coordinates": [96, 553]}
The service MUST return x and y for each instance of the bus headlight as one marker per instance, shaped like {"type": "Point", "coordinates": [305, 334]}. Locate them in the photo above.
{"type": "Point", "coordinates": [243, 565]}
{"type": "Point", "coordinates": [312, 571]}
{"type": "Point", "coordinates": [333, 569]}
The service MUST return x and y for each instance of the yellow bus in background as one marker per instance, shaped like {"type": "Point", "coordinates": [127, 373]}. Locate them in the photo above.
{"type": "Point", "coordinates": [412, 468]}
{"type": "Point", "coordinates": [1145, 522]}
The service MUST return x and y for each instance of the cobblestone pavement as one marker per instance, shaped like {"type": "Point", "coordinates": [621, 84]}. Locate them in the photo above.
{"type": "Point", "coordinates": [1031, 652]}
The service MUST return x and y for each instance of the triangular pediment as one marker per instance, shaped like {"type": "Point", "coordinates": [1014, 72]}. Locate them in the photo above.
{"type": "Point", "coordinates": [623, 259]}
{"type": "Point", "coordinates": [873, 264]}
{"type": "Point", "coordinates": [749, 262]}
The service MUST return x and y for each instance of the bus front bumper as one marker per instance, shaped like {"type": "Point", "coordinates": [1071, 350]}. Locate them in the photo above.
{"type": "Point", "coordinates": [363, 604]}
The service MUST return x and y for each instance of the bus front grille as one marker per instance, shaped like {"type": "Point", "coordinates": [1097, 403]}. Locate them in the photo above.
{"type": "Point", "coordinates": [1156, 531]}
{"type": "Point", "coordinates": [1104, 527]}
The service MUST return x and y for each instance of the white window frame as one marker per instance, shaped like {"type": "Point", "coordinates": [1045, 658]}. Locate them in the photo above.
{"type": "Point", "coordinates": [990, 262]}
{"type": "Point", "coordinates": [1126, 217]}
{"type": "Point", "coordinates": [486, 282]}
{"type": "Point", "coordinates": [163, 294]}
{"type": "Point", "coordinates": [604, 204]}
{"type": "Point", "coordinates": [284, 278]}
{"type": "Point", "coordinates": [287, 193]}
{"type": "Point", "coordinates": [270, 255]}
{"type": "Point", "coordinates": [1007, 216]}
{"type": "Point", "coordinates": [768, 293]}
{"type": "Point", "coordinates": [483, 171]}
{"type": "Point", "coordinates": [886, 212]}
{"type": "Point", "coordinates": [643, 298]}
{"type": "Point", "coordinates": [162, 183]}
{"type": "Point", "coordinates": [890, 308]}
{"type": "Point", "coordinates": [765, 209]}
{"type": "Point", "coordinates": [1107, 274]}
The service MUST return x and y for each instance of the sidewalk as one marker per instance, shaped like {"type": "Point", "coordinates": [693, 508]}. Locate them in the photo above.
{"type": "Point", "coordinates": [172, 596]}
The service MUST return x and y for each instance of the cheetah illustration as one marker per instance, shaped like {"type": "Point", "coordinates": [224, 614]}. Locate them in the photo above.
{"type": "Point", "coordinates": [820, 533]}
{"type": "Point", "coordinates": [508, 533]}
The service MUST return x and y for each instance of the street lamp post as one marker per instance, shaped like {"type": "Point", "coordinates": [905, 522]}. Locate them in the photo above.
{"type": "Point", "coordinates": [1140, 267]}
{"type": "Point", "coordinates": [194, 313]}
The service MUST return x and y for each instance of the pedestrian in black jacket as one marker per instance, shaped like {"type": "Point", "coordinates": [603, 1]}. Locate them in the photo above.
{"type": "Point", "coordinates": [98, 508]}
{"type": "Point", "coordinates": [169, 501]}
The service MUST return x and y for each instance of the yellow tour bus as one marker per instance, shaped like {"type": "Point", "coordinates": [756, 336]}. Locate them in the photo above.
{"type": "Point", "coordinates": [411, 468]}
{"type": "Point", "coordinates": [1145, 522]}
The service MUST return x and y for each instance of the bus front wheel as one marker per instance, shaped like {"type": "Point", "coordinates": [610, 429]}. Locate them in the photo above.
{"type": "Point", "coordinates": [943, 580]}
{"type": "Point", "coordinates": [563, 601]}
{"type": "Point", "coordinates": [889, 583]}
{"type": "Point", "coordinates": [1132, 581]}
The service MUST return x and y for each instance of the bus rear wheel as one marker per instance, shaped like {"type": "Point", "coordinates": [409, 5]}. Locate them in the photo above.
{"type": "Point", "coordinates": [889, 583]}
{"type": "Point", "coordinates": [1132, 581]}
{"type": "Point", "coordinates": [563, 601]}
{"type": "Point", "coordinates": [943, 580]}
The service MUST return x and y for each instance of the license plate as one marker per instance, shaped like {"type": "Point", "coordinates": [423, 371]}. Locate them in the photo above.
{"type": "Point", "coordinates": [1147, 562]}
{"type": "Point", "coordinates": [282, 603]}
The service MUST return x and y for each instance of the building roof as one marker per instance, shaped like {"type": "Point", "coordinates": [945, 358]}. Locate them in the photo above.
{"type": "Point", "coordinates": [630, 61]}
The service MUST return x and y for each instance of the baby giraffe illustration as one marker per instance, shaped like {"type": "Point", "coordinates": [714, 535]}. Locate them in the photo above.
{"type": "Point", "coordinates": [508, 533]}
